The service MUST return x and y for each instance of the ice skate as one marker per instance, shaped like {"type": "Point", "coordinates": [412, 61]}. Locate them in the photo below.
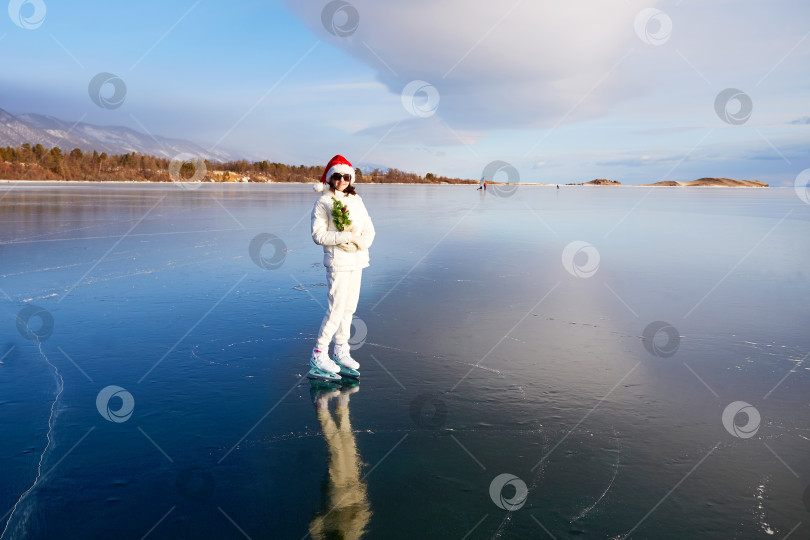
{"type": "Point", "coordinates": [348, 366]}
{"type": "Point", "coordinates": [322, 368]}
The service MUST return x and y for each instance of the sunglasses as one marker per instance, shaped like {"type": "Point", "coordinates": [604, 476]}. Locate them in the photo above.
{"type": "Point", "coordinates": [338, 176]}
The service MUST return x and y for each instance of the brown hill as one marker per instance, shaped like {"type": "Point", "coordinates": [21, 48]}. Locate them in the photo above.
{"type": "Point", "coordinates": [666, 183]}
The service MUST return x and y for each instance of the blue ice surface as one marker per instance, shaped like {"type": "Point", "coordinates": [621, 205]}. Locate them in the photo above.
{"type": "Point", "coordinates": [498, 332]}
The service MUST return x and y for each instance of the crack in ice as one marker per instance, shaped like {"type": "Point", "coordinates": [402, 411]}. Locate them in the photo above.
{"type": "Point", "coordinates": [61, 381]}
{"type": "Point", "coordinates": [615, 474]}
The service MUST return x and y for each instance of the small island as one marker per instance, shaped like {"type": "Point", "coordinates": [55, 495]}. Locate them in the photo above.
{"type": "Point", "coordinates": [701, 182]}
{"type": "Point", "coordinates": [598, 182]}
{"type": "Point", "coordinates": [711, 182]}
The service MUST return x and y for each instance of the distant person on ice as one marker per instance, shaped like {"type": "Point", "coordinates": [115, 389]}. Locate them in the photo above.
{"type": "Point", "coordinates": [341, 224]}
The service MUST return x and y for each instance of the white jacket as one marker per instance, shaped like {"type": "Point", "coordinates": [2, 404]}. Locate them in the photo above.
{"type": "Point", "coordinates": [326, 234]}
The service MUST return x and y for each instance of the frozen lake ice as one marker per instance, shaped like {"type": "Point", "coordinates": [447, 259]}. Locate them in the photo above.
{"type": "Point", "coordinates": [591, 362]}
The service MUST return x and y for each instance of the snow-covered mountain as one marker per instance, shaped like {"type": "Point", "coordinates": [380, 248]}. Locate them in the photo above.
{"type": "Point", "coordinates": [49, 131]}
{"type": "Point", "coordinates": [366, 167]}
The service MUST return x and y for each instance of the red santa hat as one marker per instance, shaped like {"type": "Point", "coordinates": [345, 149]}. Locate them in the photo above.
{"type": "Point", "coordinates": [337, 164]}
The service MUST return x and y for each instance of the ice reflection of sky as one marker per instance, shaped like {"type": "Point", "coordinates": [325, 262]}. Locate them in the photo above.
{"type": "Point", "coordinates": [543, 374]}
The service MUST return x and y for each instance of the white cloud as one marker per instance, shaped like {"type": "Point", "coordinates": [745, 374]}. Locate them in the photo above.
{"type": "Point", "coordinates": [495, 65]}
{"type": "Point", "coordinates": [571, 85]}
{"type": "Point", "coordinates": [431, 131]}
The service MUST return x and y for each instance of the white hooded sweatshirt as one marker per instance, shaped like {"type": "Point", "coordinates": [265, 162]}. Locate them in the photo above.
{"type": "Point", "coordinates": [326, 233]}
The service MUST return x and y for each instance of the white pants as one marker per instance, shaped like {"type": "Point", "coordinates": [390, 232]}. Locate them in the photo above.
{"type": "Point", "coordinates": [344, 292]}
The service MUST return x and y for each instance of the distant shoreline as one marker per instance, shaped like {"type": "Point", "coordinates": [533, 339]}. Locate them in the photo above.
{"type": "Point", "coordinates": [34, 162]}
{"type": "Point", "coordinates": [365, 184]}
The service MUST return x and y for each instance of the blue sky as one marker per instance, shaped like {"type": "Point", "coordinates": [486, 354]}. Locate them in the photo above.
{"type": "Point", "coordinates": [564, 91]}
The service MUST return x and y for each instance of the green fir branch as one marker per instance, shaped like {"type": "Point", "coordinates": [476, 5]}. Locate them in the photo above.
{"type": "Point", "coordinates": [340, 215]}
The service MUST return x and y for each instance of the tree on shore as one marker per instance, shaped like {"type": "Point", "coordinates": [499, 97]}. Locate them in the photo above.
{"type": "Point", "coordinates": [27, 162]}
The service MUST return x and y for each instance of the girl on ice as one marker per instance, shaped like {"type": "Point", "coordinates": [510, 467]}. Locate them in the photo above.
{"type": "Point", "coordinates": [341, 224]}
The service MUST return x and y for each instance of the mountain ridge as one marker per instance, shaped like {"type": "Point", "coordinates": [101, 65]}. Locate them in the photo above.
{"type": "Point", "coordinates": [50, 131]}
